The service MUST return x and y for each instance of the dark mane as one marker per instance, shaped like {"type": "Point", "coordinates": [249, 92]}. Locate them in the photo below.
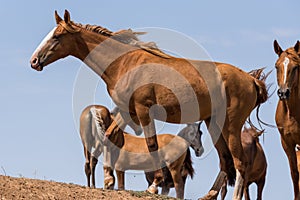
{"type": "Point", "coordinates": [126, 37]}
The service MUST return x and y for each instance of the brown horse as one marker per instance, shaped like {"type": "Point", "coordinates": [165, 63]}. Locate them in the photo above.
{"type": "Point", "coordinates": [170, 146]}
{"type": "Point", "coordinates": [288, 109]}
{"type": "Point", "coordinates": [139, 76]}
{"type": "Point", "coordinates": [257, 163]}
{"type": "Point", "coordinates": [94, 121]}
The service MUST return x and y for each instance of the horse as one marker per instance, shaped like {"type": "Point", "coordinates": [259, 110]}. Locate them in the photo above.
{"type": "Point", "coordinates": [94, 120]}
{"type": "Point", "coordinates": [288, 111]}
{"type": "Point", "coordinates": [257, 163]}
{"type": "Point", "coordinates": [177, 167]}
{"type": "Point", "coordinates": [149, 84]}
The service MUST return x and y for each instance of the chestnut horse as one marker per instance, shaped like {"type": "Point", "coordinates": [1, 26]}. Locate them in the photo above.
{"type": "Point", "coordinates": [94, 121]}
{"type": "Point", "coordinates": [149, 84]}
{"type": "Point", "coordinates": [257, 163]}
{"type": "Point", "coordinates": [170, 146]}
{"type": "Point", "coordinates": [288, 109]}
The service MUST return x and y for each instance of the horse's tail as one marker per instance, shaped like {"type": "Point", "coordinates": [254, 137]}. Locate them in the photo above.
{"type": "Point", "coordinates": [262, 92]}
{"type": "Point", "coordinates": [187, 164]}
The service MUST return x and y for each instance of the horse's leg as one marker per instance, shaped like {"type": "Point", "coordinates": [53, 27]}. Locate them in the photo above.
{"type": "Point", "coordinates": [226, 161]}
{"type": "Point", "coordinates": [87, 167]}
{"type": "Point", "coordinates": [121, 178]}
{"type": "Point", "coordinates": [175, 170]}
{"type": "Point", "coordinates": [178, 182]}
{"type": "Point", "coordinates": [109, 178]}
{"type": "Point", "coordinates": [290, 151]}
{"type": "Point", "coordinates": [165, 190]}
{"type": "Point", "coordinates": [260, 186]}
{"type": "Point", "coordinates": [246, 192]}
{"type": "Point", "coordinates": [233, 134]}
{"type": "Point", "coordinates": [224, 190]}
{"type": "Point", "coordinates": [150, 135]}
{"type": "Point", "coordinates": [94, 160]}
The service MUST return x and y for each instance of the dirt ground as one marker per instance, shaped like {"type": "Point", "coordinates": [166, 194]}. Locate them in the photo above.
{"type": "Point", "coordinates": [24, 188]}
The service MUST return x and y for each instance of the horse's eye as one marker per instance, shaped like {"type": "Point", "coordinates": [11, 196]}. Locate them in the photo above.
{"type": "Point", "coordinates": [55, 37]}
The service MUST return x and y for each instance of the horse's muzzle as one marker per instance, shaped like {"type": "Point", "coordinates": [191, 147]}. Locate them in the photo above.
{"type": "Point", "coordinates": [35, 64]}
{"type": "Point", "coordinates": [283, 93]}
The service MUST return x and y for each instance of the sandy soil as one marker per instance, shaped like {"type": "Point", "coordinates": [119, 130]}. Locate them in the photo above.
{"type": "Point", "coordinates": [24, 188]}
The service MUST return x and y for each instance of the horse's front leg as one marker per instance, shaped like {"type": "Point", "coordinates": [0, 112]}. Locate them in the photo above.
{"type": "Point", "coordinates": [289, 149]}
{"type": "Point", "coordinates": [150, 135]}
{"type": "Point", "coordinates": [121, 178]}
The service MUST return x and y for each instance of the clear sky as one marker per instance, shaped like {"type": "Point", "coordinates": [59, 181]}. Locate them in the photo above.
{"type": "Point", "coordinates": [39, 137]}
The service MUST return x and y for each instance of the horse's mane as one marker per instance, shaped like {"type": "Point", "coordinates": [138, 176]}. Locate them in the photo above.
{"type": "Point", "coordinates": [125, 37]}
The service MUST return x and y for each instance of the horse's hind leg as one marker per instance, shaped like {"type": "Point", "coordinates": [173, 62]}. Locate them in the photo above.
{"type": "Point", "coordinates": [94, 160]}
{"type": "Point", "coordinates": [87, 167]}
{"type": "Point", "coordinates": [246, 192]}
{"type": "Point", "coordinates": [224, 190]}
{"type": "Point", "coordinates": [148, 125]}
{"type": "Point", "coordinates": [226, 161]}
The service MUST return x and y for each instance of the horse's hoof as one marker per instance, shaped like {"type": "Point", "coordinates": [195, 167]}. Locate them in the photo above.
{"type": "Point", "coordinates": [109, 183]}
{"type": "Point", "coordinates": [212, 195]}
{"type": "Point", "coordinates": [152, 189]}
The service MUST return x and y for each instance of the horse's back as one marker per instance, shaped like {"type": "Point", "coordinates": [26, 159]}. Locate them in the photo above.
{"type": "Point", "coordinates": [131, 142]}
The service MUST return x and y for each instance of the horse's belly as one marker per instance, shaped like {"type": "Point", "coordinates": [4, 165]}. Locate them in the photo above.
{"type": "Point", "coordinates": [134, 161]}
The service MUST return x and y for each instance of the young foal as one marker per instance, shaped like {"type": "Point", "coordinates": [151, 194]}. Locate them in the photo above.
{"type": "Point", "coordinates": [177, 167]}
{"type": "Point", "coordinates": [257, 164]}
{"type": "Point", "coordinates": [94, 121]}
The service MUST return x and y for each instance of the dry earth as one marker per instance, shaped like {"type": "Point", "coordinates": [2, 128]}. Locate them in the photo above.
{"type": "Point", "coordinates": [24, 188]}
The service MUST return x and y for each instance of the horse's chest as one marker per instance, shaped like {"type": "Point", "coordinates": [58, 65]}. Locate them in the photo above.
{"type": "Point", "coordinates": [291, 129]}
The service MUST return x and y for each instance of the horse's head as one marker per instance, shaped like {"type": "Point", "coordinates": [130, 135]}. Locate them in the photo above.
{"type": "Point", "coordinates": [192, 134]}
{"type": "Point", "coordinates": [59, 43]}
{"type": "Point", "coordinates": [287, 66]}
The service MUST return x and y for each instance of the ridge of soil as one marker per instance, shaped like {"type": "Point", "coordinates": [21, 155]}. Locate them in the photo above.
{"type": "Point", "coordinates": [26, 188]}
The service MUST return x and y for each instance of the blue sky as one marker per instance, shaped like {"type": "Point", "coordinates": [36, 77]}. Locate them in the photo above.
{"type": "Point", "coordinates": [39, 137]}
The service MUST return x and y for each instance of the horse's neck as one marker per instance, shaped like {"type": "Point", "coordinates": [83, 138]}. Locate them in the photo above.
{"type": "Point", "coordinates": [99, 53]}
{"type": "Point", "coordinates": [183, 134]}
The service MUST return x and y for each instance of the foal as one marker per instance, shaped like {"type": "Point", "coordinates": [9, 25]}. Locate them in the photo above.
{"type": "Point", "coordinates": [173, 149]}
{"type": "Point", "coordinates": [257, 164]}
{"type": "Point", "coordinates": [94, 121]}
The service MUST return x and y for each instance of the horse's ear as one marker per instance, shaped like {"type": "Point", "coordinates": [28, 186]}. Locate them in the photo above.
{"type": "Point", "coordinates": [57, 18]}
{"type": "Point", "coordinates": [277, 48]}
{"type": "Point", "coordinates": [297, 47]}
{"type": "Point", "coordinates": [67, 17]}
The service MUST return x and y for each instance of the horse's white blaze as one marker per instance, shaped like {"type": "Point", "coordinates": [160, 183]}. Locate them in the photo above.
{"type": "Point", "coordinates": [44, 41]}
{"type": "Point", "coordinates": [285, 67]}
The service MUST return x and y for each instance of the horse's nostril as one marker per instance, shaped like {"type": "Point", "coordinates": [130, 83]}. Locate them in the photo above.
{"type": "Point", "coordinates": [35, 60]}
{"type": "Point", "coordinates": [279, 92]}
{"type": "Point", "coordinates": [287, 92]}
